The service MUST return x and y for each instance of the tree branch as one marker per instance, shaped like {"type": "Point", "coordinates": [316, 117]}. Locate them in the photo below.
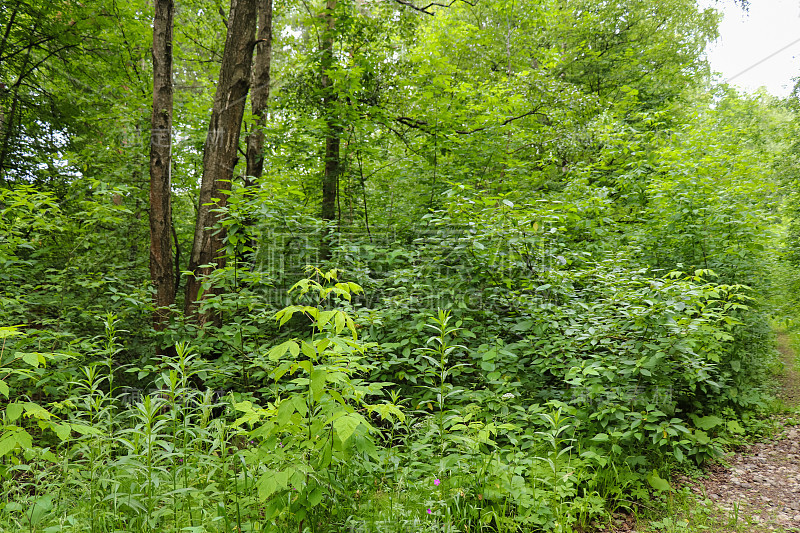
{"type": "Point", "coordinates": [424, 9]}
{"type": "Point", "coordinates": [413, 123]}
{"type": "Point", "coordinates": [424, 126]}
{"type": "Point", "coordinates": [504, 123]}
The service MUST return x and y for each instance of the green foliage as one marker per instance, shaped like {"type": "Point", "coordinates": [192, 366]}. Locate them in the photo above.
{"type": "Point", "coordinates": [568, 245]}
{"type": "Point", "coordinates": [314, 425]}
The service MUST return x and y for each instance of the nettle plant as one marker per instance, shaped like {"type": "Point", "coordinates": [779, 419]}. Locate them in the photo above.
{"type": "Point", "coordinates": [318, 418]}
{"type": "Point", "coordinates": [18, 369]}
{"type": "Point", "coordinates": [650, 358]}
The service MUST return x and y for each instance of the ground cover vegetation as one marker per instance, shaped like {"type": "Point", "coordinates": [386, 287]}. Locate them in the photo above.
{"type": "Point", "coordinates": [472, 266]}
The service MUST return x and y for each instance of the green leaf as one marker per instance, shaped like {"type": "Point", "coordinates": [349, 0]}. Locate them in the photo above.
{"type": "Point", "coordinates": [339, 321]}
{"type": "Point", "coordinates": [300, 404]}
{"type": "Point", "coordinates": [250, 416]}
{"type": "Point", "coordinates": [308, 350]}
{"type": "Point", "coordinates": [284, 316]}
{"type": "Point", "coordinates": [83, 429]}
{"type": "Point", "coordinates": [279, 372]}
{"type": "Point", "coordinates": [735, 427]}
{"type": "Point", "coordinates": [327, 456]}
{"type": "Point", "coordinates": [701, 437]}
{"type": "Point", "coordinates": [285, 411]}
{"type": "Point", "coordinates": [386, 410]}
{"type": "Point", "coordinates": [279, 351]}
{"type": "Point", "coordinates": [324, 317]}
{"type": "Point", "coordinates": [50, 456]}
{"type": "Point", "coordinates": [657, 482]}
{"type": "Point", "coordinates": [9, 331]}
{"type": "Point", "coordinates": [24, 439]}
{"type": "Point", "coordinates": [62, 430]}
{"type": "Point", "coordinates": [8, 442]}
{"type": "Point", "coordinates": [269, 483]}
{"type": "Point", "coordinates": [318, 376]}
{"type": "Point", "coordinates": [315, 497]}
{"type": "Point", "coordinates": [14, 411]}
{"type": "Point", "coordinates": [4, 388]}
{"type": "Point", "coordinates": [346, 425]}
{"type": "Point", "coordinates": [322, 344]}
{"type": "Point", "coordinates": [354, 287]}
{"type": "Point", "coordinates": [31, 358]}
{"type": "Point", "coordinates": [37, 411]}
{"type": "Point", "coordinates": [282, 478]}
{"type": "Point", "coordinates": [678, 453]}
{"type": "Point", "coordinates": [294, 349]}
{"type": "Point", "coordinates": [708, 422]}
{"type": "Point", "coordinates": [351, 325]}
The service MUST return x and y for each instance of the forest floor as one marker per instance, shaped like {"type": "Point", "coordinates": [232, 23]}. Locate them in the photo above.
{"type": "Point", "coordinates": [755, 488]}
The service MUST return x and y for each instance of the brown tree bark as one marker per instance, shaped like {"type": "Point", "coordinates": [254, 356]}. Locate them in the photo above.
{"type": "Point", "coordinates": [161, 262]}
{"type": "Point", "coordinates": [259, 94]}
{"type": "Point", "coordinates": [330, 178]}
{"type": "Point", "coordinates": [220, 149]}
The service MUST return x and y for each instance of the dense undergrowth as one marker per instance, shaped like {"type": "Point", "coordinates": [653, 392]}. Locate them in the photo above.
{"type": "Point", "coordinates": [549, 284]}
{"type": "Point", "coordinates": [556, 427]}
{"type": "Point", "coordinates": [502, 366]}
{"type": "Point", "coordinates": [490, 373]}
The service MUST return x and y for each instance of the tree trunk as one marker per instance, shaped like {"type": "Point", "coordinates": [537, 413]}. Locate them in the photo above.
{"type": "Point", "coordinates": [259, 100]}
{"type": "Point", "coordinates": [161, 263]}
{"type": "Point", "coordinates": [333, 124]}
{"type": "Point", "coordinates": [259, 96]}
{"type": "Point", "coordinates": [220, 149]}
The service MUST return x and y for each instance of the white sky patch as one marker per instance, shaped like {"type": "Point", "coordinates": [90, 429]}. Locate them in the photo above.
{"type": "Point", "coordinates": [758, 48]}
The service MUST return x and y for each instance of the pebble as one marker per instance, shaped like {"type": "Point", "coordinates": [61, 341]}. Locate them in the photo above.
{"type": "Point", "coordinates": [762, 484]}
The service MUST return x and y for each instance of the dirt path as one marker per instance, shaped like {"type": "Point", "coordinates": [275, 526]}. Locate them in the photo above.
{"type": "Point", "coordinates": [790, 381]}
{"type": "Point", "coordinates": [760, 490]}
{"type": "Point", "coordinates": [754, 490]}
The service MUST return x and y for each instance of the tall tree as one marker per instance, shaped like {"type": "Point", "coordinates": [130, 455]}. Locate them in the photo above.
{"type": "Point", "coordinates": [259, 97]}
{"type": "Point", "coordinates": [333, 124]}
{"type": "Point", "coordinates": [161, 263]}
{"type": "Point", "coordinates": [221, 146]}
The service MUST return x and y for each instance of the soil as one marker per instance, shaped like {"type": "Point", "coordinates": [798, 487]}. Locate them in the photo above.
{"type": "Point", "coordinates": [757, 488]}
{"type": "Point", "coordinates": [760, 489]}
{"type": "Point", "coordinates": [790, 380]}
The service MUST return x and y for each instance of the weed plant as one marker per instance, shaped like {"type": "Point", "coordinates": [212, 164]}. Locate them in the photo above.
{"type": "Point", "coordinates": [327, 442]}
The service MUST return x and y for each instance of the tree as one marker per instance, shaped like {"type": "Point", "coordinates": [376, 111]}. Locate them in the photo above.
{"type": "Point", "coordinates": [333, 134]}
{"type": "Point", "coordinates": [669, 38]}
{"type": "Point", "coordinates": [37, 38]}
{"type": "Point", "coordinates": [259, 97]}
{"type": "Point", "coordinates": [161, 264]}
{"type": "Point", "coordinates": [221, 147]}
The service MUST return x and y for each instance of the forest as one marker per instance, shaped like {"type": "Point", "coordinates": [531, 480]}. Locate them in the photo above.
{"type": "Point", "coordinates": [381, 265]}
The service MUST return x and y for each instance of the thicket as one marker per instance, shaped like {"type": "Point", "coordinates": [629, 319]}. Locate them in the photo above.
{"type": "Point", "coordinates": [513, 325]}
